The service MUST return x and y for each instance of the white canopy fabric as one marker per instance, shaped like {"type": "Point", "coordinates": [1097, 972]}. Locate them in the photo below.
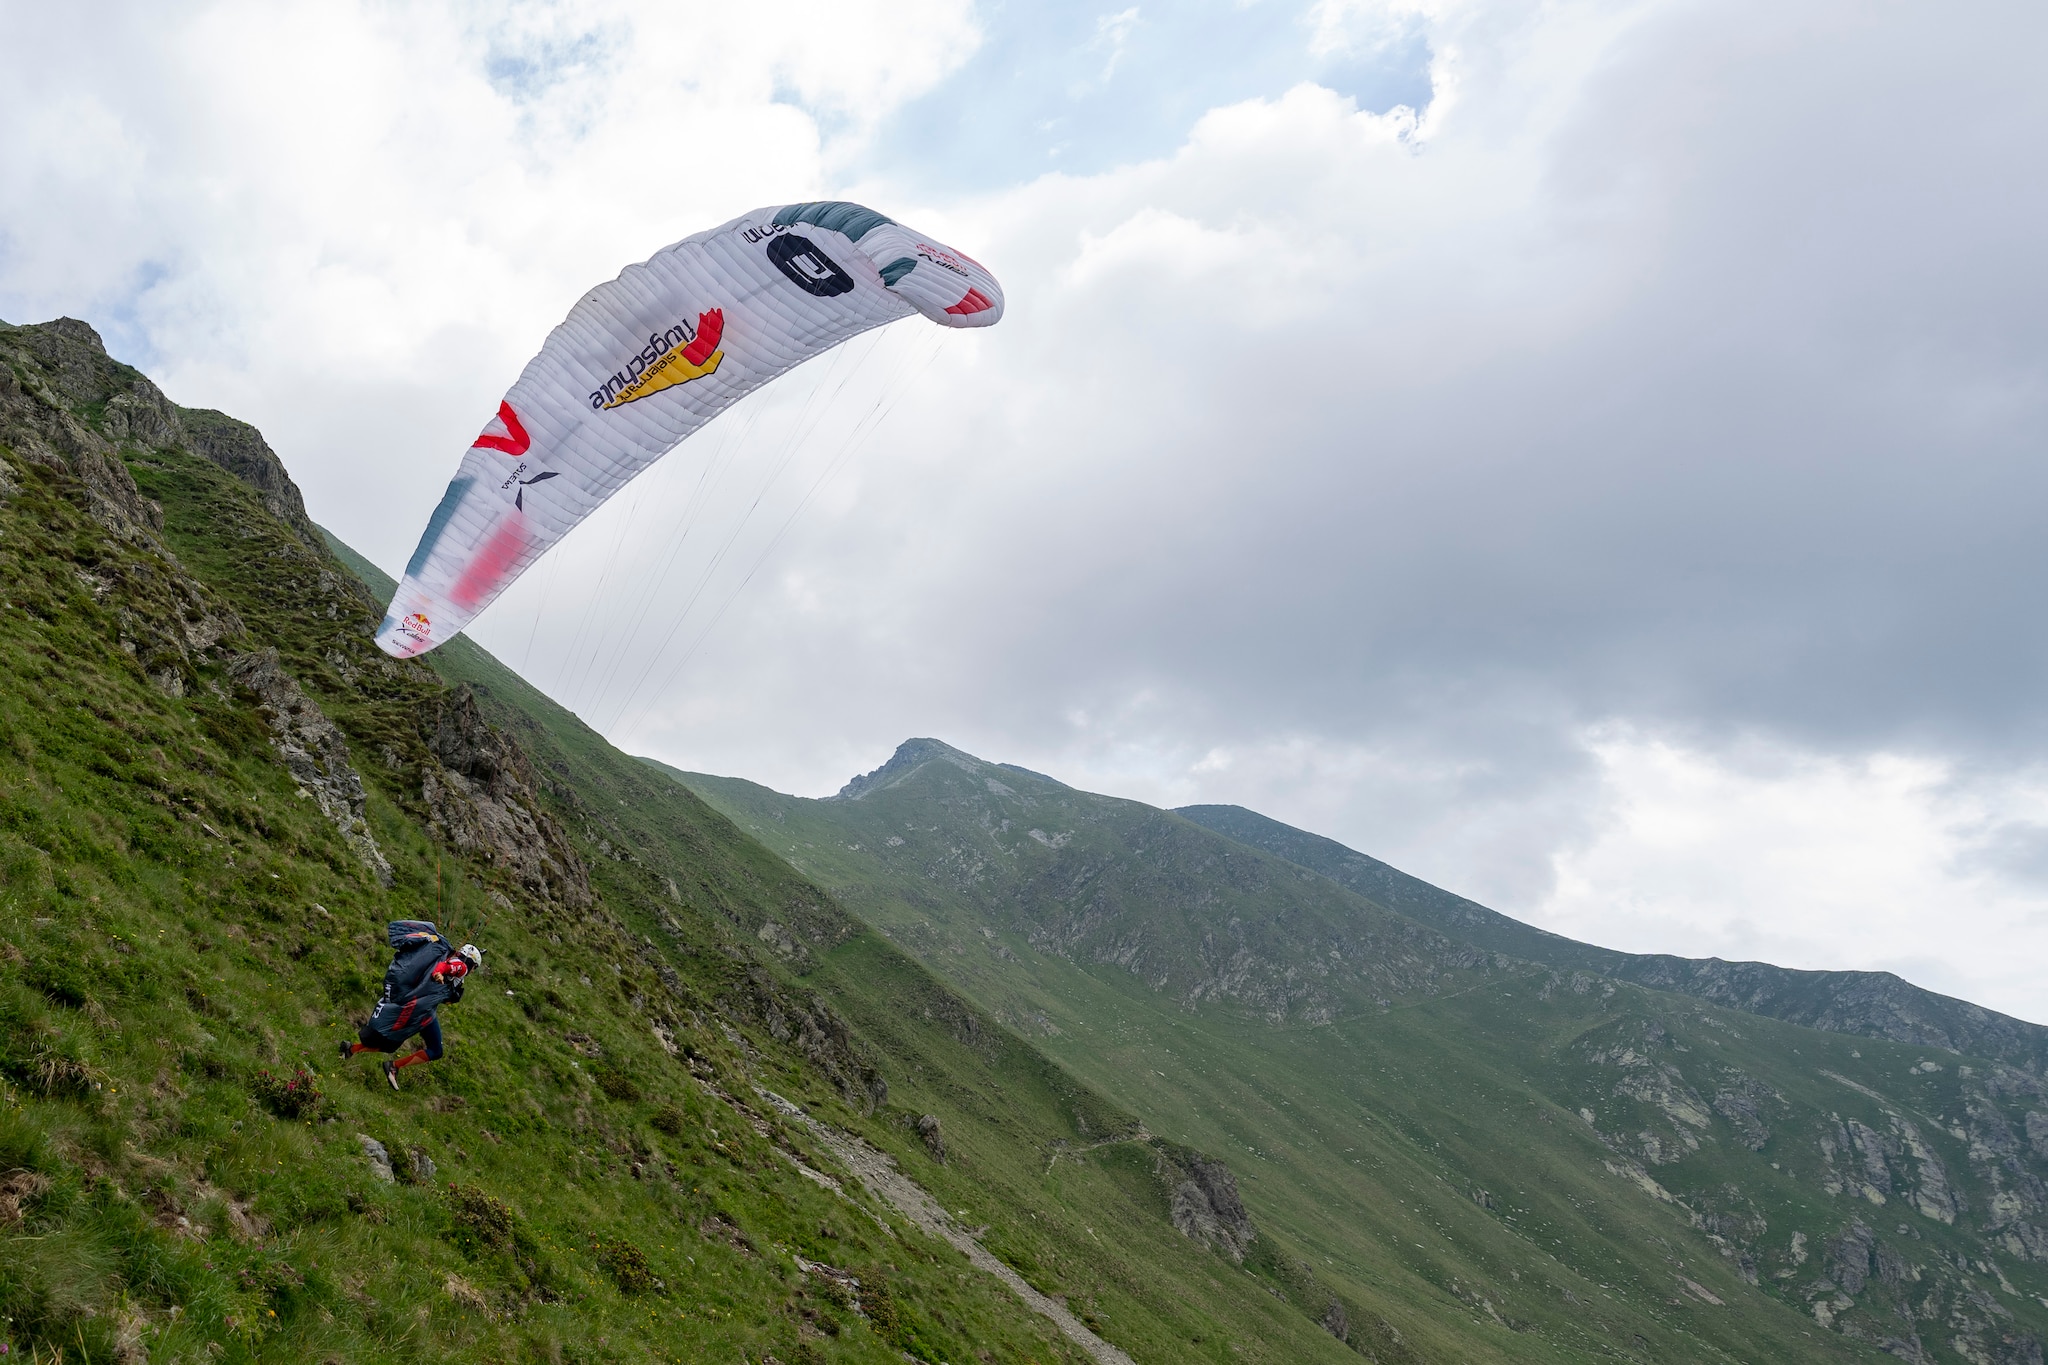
{"type": "Point", "coordinates": [645, 360]}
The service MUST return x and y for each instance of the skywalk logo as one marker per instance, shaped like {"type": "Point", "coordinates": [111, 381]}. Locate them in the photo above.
{"type": "Point", "coordinates": [808, 268]}
{"type": "Point", "coordinates": [676, 356]}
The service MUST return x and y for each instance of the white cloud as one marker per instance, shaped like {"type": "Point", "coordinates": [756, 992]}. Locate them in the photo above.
{"type": "Point", "coordinates": [1487, 485]}
{"type": "Point", "coordinates": [1113, 32]}
{"type": "Point", "coordinates": [1812, 860]}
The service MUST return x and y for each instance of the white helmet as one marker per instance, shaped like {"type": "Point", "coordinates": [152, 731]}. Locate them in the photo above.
{"type": "Point", "coordinates": [473, 955]}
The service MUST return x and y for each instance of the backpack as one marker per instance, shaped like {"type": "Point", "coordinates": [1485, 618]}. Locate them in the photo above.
{"type": "Point", "coordinates": [410, 933]}
{"type": "Point", "coordinates": [419, 948]}
{"type": "Point", "coordinates": [410, 994]}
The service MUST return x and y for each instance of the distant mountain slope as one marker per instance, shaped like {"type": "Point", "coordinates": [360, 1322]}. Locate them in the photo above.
{"type": "Point", "coordinates": [1574, 1166]}
{"type": "Point", "coordinates": [1867, 1004]}
{"type": "Point", "coordinates": [1199, 917]}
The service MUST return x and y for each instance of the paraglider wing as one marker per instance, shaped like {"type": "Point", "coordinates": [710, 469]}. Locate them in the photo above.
{"type": "Point", "coordinates": [645, 360]}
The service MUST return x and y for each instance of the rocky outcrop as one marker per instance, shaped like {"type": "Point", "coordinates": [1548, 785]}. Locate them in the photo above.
{"type": "Point", "coordinates": [934, 1140]}
{"type": "Point", "coordinates": [1639, 1049]}
{"type": "Point", "coordinates": [378, 1156]}
{"type": "Point", "coordinates": [49, 375]}
{"type": "Point", "coordinates": [50, 370]}
{"type": "Point", "coordinates": [481, 801]}
{"type": "Point", "coordinates": [1204, 1203]}
{"type": "Point", "coordinates": [241, 450]}
{"type": "Point", "coordinates": [1856, 1257]}
{"type": "Point", "coordinates": [1734, 1225]}
{"type": "Point", "coordinates": [813, 1026]}
{"type": "Point", "coordinates": [1857, 1159]}
{"type": "Point", "coordinates": [825, 1039]}
{"type": "Point", "coordinates": [910, 755]}
{"type": "Point", "coordinates": [64, 400]}
{"type": "Point", "coordinates": [1744, 1101]}
{"type": "Point", "coordinates": [313, 748]}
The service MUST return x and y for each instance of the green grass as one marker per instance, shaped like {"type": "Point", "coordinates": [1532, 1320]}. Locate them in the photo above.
{"type": "Point", "coordinates": [1093, 1228]}
{"type": "Point", "coordinates": [175, 921]}
{"type": "Point", "coordinates": [1366, 1135]}
{"type": "Point", "coordinates": [179, 928]}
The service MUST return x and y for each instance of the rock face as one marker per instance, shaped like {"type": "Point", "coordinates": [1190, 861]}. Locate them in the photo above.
{"type": "Point", "coordinates": [65, 403]}
{"type": "Point", "coordinates": [241, 450]}
{"type": "Point", "coordinates": [480, 799]}
{"type": "Point", "coordinates": [168, 622]}
{"type": "Point", "coordinates": [813, 1026]}
{"type": "Point", "coordinates": [1205, 1203]}
{"type": "Point", "coordinates": [65, 366]}
{"type": "Point", "coordinates": [45, 371]}
{"type": "Point", "coordinates": [934, 1141]}
{"type": "Point", "coordinates": [313, 748]}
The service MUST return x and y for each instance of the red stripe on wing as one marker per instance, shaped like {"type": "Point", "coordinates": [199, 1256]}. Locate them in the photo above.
{"type": "Point", "coordinates": [517, 443]}
{"type": "Point", "coordinates": [975, 302]}
{"type": "Point", "coordinates": [710, 327]}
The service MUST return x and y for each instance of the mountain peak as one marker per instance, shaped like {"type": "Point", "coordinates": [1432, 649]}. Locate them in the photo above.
{"type": "Point", "coordinates": [913, 754]}
{"type": "Point", "coordinates": [81, 333]}
{"type": "Point", "coordinates": [910, 755]}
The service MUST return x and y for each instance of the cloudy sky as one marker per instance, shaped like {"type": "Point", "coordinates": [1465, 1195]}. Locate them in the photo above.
{"type": "Point", "coordinates": [1590, 454]}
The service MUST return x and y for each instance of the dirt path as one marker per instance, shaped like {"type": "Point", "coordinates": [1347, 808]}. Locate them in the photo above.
{"type": "Point", "coordinates": [878, 1171]}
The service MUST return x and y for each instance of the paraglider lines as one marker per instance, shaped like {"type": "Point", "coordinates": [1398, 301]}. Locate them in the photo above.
{"type": "Point", "coordinates": [900, 383]}
{"type": "Point", "coordinates": [791, 443]}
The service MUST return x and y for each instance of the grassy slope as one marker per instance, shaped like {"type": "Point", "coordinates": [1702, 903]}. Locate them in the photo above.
{"type": "Point", "coordinates": [175, 919]}
{"type": "Point", "coordinates": [1090, 1226]}
{"type": "Point", "coordinates": [1365, 1138]}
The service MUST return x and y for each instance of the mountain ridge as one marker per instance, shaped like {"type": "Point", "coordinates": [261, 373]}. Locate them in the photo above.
{"type": "Point", "coordinates": [1867, 1004]}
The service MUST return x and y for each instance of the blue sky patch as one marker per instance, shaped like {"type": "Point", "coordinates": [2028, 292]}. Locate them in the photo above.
{"type": "Point", "coordinates": [1084, 87]}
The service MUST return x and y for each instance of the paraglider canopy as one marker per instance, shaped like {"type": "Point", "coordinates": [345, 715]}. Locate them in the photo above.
{"type": "Point", "coordinates": [647, 359]}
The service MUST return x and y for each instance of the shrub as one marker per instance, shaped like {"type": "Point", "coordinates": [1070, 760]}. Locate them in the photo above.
{"type": "Point", "coordinates": [617, 1084]}
{"type": "Point", "coordinates": [881, 1309]}
{"type": "Point", "coordinates": [482, 1223]}
{"type": "Point", "coordinates": [627, 1265]}
{"type": "Point", "coordinates": [54, 1073]}
{"type": "Point", "coordinates": [485, 1226]}
{"type": "Point", "coordinates": [296, 1096]}
{"type": "Point", "coordinates": [270, 1279]}
{"type": "Point", "coordinates": [672, 1120]}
